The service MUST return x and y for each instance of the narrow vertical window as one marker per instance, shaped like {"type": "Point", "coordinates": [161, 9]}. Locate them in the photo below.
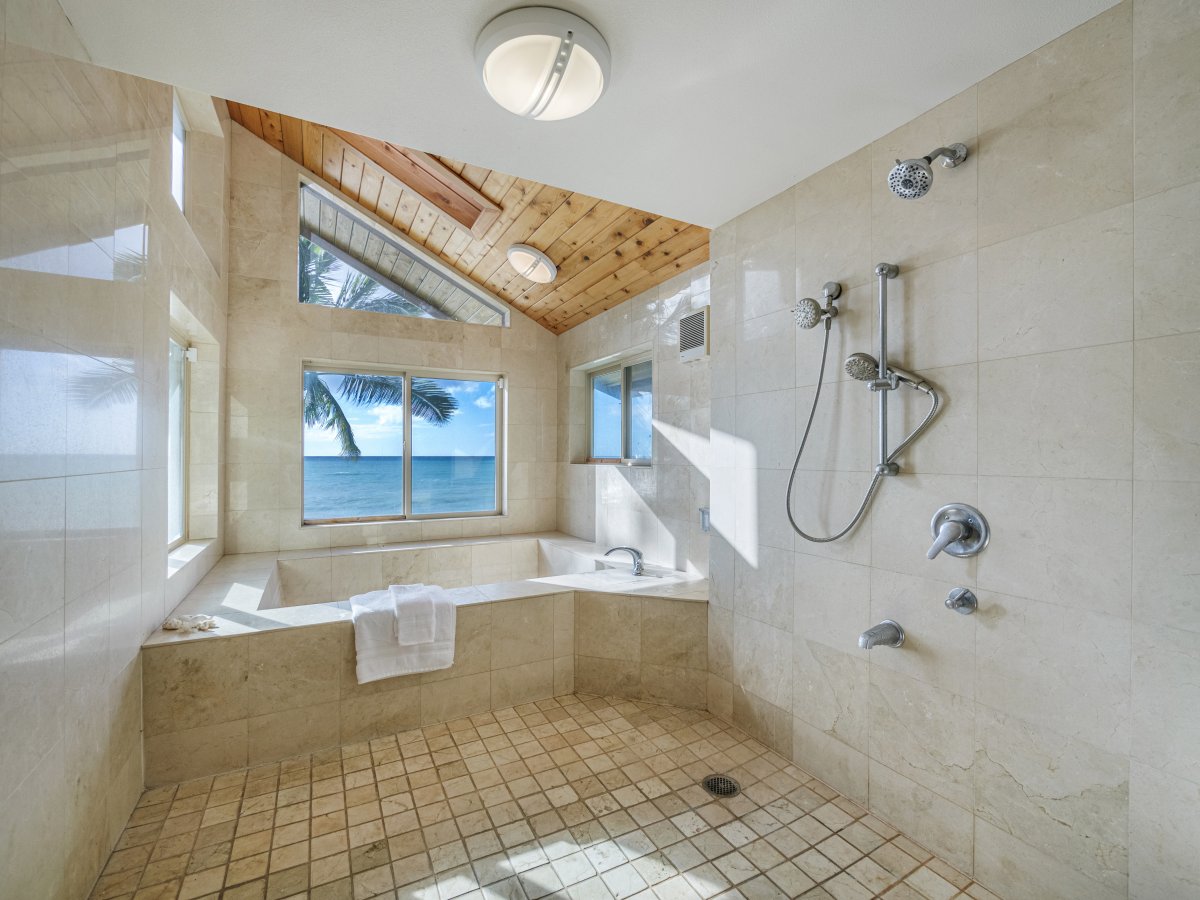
{"type": "Point", "coordinates": [176, 443]}
{"type": "Point", "coordinates": [622, 414]}
{"type": "Point", "coordinates": [178, 138]}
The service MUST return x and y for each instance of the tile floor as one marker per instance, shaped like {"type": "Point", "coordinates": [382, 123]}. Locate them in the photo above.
{"type": "Point", "coordinates": [577, 796]}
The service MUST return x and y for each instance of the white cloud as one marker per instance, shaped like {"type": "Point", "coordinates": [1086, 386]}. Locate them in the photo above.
{"type": "Point", "coordinates": [388, 415]}
{"type": "Point", "coordinates": [483, 402]}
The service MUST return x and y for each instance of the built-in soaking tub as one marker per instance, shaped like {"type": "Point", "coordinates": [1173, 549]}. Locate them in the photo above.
{"type": "Point", "coordinates": [538, 616]}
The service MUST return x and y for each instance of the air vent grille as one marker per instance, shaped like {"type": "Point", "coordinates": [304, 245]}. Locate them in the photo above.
{"type": "Point", "coordinates": [693, 335]}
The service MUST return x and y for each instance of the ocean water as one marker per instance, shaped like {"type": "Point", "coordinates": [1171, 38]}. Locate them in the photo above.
{"type": "Point", "coordinates": [337, 488]}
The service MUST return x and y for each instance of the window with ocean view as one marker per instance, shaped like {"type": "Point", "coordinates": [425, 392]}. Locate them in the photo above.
{"type": "Point", "coordinates": [359, 426]}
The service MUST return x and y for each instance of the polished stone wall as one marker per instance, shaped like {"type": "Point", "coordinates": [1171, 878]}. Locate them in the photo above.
{"type": "Point", "coordinates": [96, 261]}
{"type": "Point", "coordinates": [1048, 744]}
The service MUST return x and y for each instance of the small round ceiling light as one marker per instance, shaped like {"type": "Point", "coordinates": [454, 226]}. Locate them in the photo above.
{"type": "Point", "coordinates": [542, 63]}
{"type": "Point", "coordinates": [532, 263]}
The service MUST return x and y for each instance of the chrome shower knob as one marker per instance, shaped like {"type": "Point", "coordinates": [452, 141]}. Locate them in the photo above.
{"type": "Point", "coordinates": [959, 530]}
{"type": "Point", "coordinates": [962, 600]}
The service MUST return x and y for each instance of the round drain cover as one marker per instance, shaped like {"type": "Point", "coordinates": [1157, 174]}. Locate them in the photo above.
{"type": "Point", "coordinates": [721, 786]}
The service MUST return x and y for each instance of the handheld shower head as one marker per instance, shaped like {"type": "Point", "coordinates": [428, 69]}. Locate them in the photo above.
{"type": "Point", "coordinates": [808, 313]}
{"type": "Point", "coordinates": [864, 367]}
{"type": "Point", "coordinates": [911, 179]}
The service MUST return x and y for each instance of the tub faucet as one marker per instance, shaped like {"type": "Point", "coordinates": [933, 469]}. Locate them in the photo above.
{"type": "Point", "coordinates": [638, 568]}
{"type": "Point", "coordinates": [886, 634]}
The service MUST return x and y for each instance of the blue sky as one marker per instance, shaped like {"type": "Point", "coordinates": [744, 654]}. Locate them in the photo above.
{"type": "Point", "coordinates": [379, 430]}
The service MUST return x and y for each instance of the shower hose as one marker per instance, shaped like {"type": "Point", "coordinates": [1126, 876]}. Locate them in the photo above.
{"type": "Point", "coordinates": [934, 402]}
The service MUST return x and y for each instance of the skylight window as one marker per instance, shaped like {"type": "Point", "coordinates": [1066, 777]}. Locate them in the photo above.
{"type": "Point", "coordinates": [347, 260]}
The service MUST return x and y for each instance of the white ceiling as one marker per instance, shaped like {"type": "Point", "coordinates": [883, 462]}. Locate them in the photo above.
{"type": "Point", "coordinates": [715, 105]}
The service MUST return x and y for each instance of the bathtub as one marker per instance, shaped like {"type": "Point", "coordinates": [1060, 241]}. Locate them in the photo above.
{"type": "Point", "coordinates": [538, 616]}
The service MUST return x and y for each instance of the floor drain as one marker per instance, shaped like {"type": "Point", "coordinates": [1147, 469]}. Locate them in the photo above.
{"type": "Point", "coordinates": [721, 786]}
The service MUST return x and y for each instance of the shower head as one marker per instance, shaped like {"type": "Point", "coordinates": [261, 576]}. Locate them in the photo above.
{"type": "Point", "coordinates": [864, 367]}
{"type": "Point", "coordinates": [807, 312]}
{"type": "Point", "coordinates": [911, 179]}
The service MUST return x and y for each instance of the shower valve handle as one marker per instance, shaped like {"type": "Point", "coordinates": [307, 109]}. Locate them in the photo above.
{"type": "Point", "coordinates": [947, 534]}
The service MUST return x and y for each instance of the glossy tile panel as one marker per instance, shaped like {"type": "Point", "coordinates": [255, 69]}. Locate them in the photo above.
{"type": "Point", "coordinates": [92, 250]}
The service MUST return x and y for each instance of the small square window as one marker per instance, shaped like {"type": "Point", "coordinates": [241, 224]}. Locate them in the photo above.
{"type": "Point", "coordinates": [622, 414]}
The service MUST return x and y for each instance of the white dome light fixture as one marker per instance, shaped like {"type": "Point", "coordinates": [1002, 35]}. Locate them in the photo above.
{"type": "Point", "coordinates": [532, 263]}
{"type": "Point", "coordinates": [543, 63]}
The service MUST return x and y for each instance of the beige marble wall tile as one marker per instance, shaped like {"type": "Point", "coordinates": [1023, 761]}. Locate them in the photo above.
{"type": "Point", "coordinates": [205, 750]}
{"type": "Point", "coordinates": [1164, 830]}
{"type": "Point", "coordinates": [923, 733]}
{"type": "Point", "coordinates": [1166, 583]}
{"type": "Point", "coordinates": [34, 840]}
{"type": "Point", "coordinates": [1166, 445]}
{"type": "Point", "coordinates": [764, 587]}
{"type": "Point", "coordinates": [674, 685]}
{"type": "Point", "coordinates": [291, 667]}
{"type": "Point", "coordinates": [758, 717]}
{"type": "Point", "coordinates": [291, 732]}
{"type": "Point", "coordinates": [1026, 869]}
{"type": "Point", "coordinates": [951, 444]}
{"type": "Point", "coordinates": [1083, 568]}
{"type": "Point", "coordinates": [943, 827]}
{"type": "Point", "coordinates": [1060, 668]}
{"type": "Point", "coordinates": [374, 715]}
{"type": "Point", "coordinates": [1166, 236]}
{"type": "Point", "coordinates": [32, 551]}
{"type": "Point", "coordinates": [762, 661]}
{"type": "Point", "coordinates": [306, 579]}
{"type": "Point", "coordinates": [522, 631]}
{"type": "Point", "coordinates": [1166, 681]}
{"type": "Point", "coordinates": [1165, 75]}
{"type": "Point", "coordinates": [454, 698]}
{"type": "Point", "coordinates": [833, 225]}
{"type": "Point", "coordinates": [1064, 796]}
{"type": "Point", "coordinates": [674, 633]}
{"type": "Point", "coordinates": [829, 691]}
{"type": "Point", "coordinates": [607, 677]}
{"type": "Point", "coordinates": [839, 765]}
{"type": "Point", "coordinates": [1067, 286]}
{"type": "Point", "coordinates": [608, 626]}
{"type": "Point", "coordinates": [33, 703]}
{"type": "Point", "coordinates": [564, 675]}
{"type": "Point", "coordinates": [1059, 435]}
{"type": "Point", "coordinates": [944, 223]}
{"type": "Point", "coordinates": [1069, 106]}
{"type": "Point", "coordinates": [473, 644]}
{"type": "Point", "coordinates": [522, 683]}
{"type": "Point", "coordinates": [193, 684]}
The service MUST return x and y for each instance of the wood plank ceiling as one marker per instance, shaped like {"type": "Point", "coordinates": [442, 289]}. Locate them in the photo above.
{"type": "Point", "coordinates": [605, 252]}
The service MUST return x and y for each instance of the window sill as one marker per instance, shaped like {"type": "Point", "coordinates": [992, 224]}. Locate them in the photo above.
{"type": "Point", "coordinates": [186, 565]}
{"type": "Point", "coordinates": [624, 464]}
{"type": "Point", "coordinates": [415, 520]}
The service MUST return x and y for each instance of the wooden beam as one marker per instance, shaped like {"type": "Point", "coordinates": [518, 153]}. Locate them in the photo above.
{"type": "Point", "coordinates": [426, 176]}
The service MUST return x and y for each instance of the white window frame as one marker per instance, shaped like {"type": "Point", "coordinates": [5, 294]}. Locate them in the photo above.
{"type": "Point", "coordinates": [624, 366]}
{"type": "Point", "coordinates": [174, 337]}
{"type": "Point", "coordinates": [409, 373]}
{"type": "Point", "coordinates": [179, 130]}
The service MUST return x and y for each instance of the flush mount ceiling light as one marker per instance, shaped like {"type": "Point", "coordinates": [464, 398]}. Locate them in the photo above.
{"type": "Point", "coordinates": [542, 63]}
{"type": "Point", "coordinates": [532, 263]}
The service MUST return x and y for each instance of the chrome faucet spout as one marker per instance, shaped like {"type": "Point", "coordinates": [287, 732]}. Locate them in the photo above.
{"type": "Point", "coordinates": [636, 554]}
{"type": "Point", "coordinates": [886, 634]}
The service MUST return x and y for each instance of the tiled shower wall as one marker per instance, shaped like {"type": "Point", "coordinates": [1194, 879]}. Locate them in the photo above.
{"type": "Point", "coordinates": [656, 508]}
{"type": "Point", "coordinates": [1049, 745]}
{"type": "Point", "coordinates": [271, 335]}
{"type": "Point", "coordinates": [92, 248]}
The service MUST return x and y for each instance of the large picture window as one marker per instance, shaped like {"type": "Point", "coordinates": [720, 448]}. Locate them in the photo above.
{"type": "Point", "coordinates": [621, 400]}
{"type": "Point", "coordinates": [382, 445]}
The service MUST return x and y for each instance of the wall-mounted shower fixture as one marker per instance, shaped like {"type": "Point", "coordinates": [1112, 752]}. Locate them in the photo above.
{"type": "Point", "coordinates": [911, 179]}
{"type": "Point", "coordinates": [958, 529]}
{"type": "Point", "coordinates": [962, 600]}
{"type": "Point", "coordinates": [881, 378]}
{"type": "Point", "coordinates": [808, 312]}
{"type": "Point", "coordinates": [886, 634]}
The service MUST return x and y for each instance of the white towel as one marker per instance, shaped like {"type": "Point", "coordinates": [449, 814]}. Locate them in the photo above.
{"type": "Point", "coordinates": [422, 611]}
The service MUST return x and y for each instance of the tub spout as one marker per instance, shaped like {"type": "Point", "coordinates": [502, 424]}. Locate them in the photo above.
{"type": "Point", "coordinates": [886, 634]}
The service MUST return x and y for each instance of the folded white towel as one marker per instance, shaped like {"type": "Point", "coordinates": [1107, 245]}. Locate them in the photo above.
{"type": "Point", "coordinates": [387, 625]}
{"type": "Point", "coordinates": [414, 613]}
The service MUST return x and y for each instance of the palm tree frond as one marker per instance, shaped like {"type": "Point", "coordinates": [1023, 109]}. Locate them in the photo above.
{"type": "Point", "coordinates": [431, 403]}
{"type": "Point", "coordinates": [322, 410]}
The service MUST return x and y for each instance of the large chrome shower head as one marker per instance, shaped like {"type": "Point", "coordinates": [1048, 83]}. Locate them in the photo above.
{"type": "Point", "coordinates": [864, 367]}
{"type": "Point", "coordinates": [911, 179]}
